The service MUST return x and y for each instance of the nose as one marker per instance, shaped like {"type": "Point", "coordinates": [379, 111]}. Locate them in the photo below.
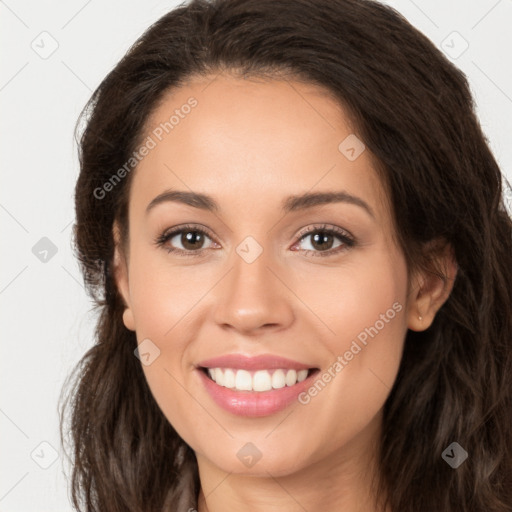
{"type": "Point", "coordinates": [253, 297]}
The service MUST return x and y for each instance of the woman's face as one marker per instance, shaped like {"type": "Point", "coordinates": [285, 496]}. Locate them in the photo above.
{"type": "Point", "coordinates": [284, 269]}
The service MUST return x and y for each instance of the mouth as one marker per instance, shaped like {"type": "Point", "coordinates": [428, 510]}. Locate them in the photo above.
{"type": "Point", "coordinates": [255, 386]}
{"type": "Point", "coordinates": [257, 381]}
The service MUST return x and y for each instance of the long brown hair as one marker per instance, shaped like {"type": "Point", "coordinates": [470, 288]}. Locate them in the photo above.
{"type": "Point", "coordinates": [414, 111]}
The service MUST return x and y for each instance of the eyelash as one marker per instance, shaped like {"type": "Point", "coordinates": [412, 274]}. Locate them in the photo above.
{"type": "Point", "coordinates": [347, 240]}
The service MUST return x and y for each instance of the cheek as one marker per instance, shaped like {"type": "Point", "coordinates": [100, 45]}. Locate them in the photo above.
{"type": "Point", "coordinates": [376, 320]}
{"type": "Point", "coordinates": [165, 301]}
{"type": "Point", "coordinates": [353, 297]}
{"type": "Point", "coordinates": [364, 307]}
{"type": "Point", "coordinates": [162, 295]}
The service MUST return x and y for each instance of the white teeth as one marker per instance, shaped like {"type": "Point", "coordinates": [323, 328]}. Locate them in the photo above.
{"type": "Point", "coordinates": [229, 378]}
{"type": "Point", "coordinates": [243, 380]}
{"type": "Point", "coordinates": [291, 377]}
{"type": "Point", "coordinates": [219, 377]}
{"type": "Point", "coordinates": [301, 375]}
{"type": "Point", "coordinates": [261, 380]}
{"type": "Point", "coordinates": [278, 379]}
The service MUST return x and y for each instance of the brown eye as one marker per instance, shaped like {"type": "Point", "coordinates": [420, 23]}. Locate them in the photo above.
{"type": "Point", "coordinates": [324, 241]}
{"type": "Point", "coordinates": [189, 241]}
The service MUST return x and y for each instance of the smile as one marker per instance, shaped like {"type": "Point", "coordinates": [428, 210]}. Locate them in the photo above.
{"type": "Point", "coordinates": [254, 386]}
{"type": "Point", "coordinates": [261, 380]}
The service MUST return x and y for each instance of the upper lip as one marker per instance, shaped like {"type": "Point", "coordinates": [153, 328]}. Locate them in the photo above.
{"type": "Point", "coordinates": [260, 362]}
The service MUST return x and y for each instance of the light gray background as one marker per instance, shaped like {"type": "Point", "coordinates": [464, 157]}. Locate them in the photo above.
{"type": "Point", "coordinates": [46, 316]}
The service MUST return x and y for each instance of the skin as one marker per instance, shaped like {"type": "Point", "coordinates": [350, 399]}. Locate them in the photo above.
{"type": "Point", "coordinates": [250, 144]}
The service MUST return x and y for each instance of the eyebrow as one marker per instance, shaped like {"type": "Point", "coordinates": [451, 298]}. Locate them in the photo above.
{"type": "Point", "coordinates": [290, 204]}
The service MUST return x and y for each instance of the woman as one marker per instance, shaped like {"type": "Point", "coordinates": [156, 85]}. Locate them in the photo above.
{"type": "Point", "coordinates": [295, 233]}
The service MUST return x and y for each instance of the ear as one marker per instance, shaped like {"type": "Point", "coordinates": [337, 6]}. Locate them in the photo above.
{"type": "Point", "coordinates": [121, 277]}
{"type": "Point", "coordinates": [430, 290]}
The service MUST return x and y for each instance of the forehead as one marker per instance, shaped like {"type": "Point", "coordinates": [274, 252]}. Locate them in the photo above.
{"type": "Point", "coordinates": [251, 142]}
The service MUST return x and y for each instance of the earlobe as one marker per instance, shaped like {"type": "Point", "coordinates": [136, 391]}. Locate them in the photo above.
{"type": "Point", "coordinates": [432, 289]}
{"type": "Point", "coordinates": [121, 278]}
{"type": "Point", "coordinates": [128, 320]}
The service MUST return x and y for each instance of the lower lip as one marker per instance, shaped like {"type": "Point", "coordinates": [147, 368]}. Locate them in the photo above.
{"type": "Point", "coordinates": [254, 403]}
